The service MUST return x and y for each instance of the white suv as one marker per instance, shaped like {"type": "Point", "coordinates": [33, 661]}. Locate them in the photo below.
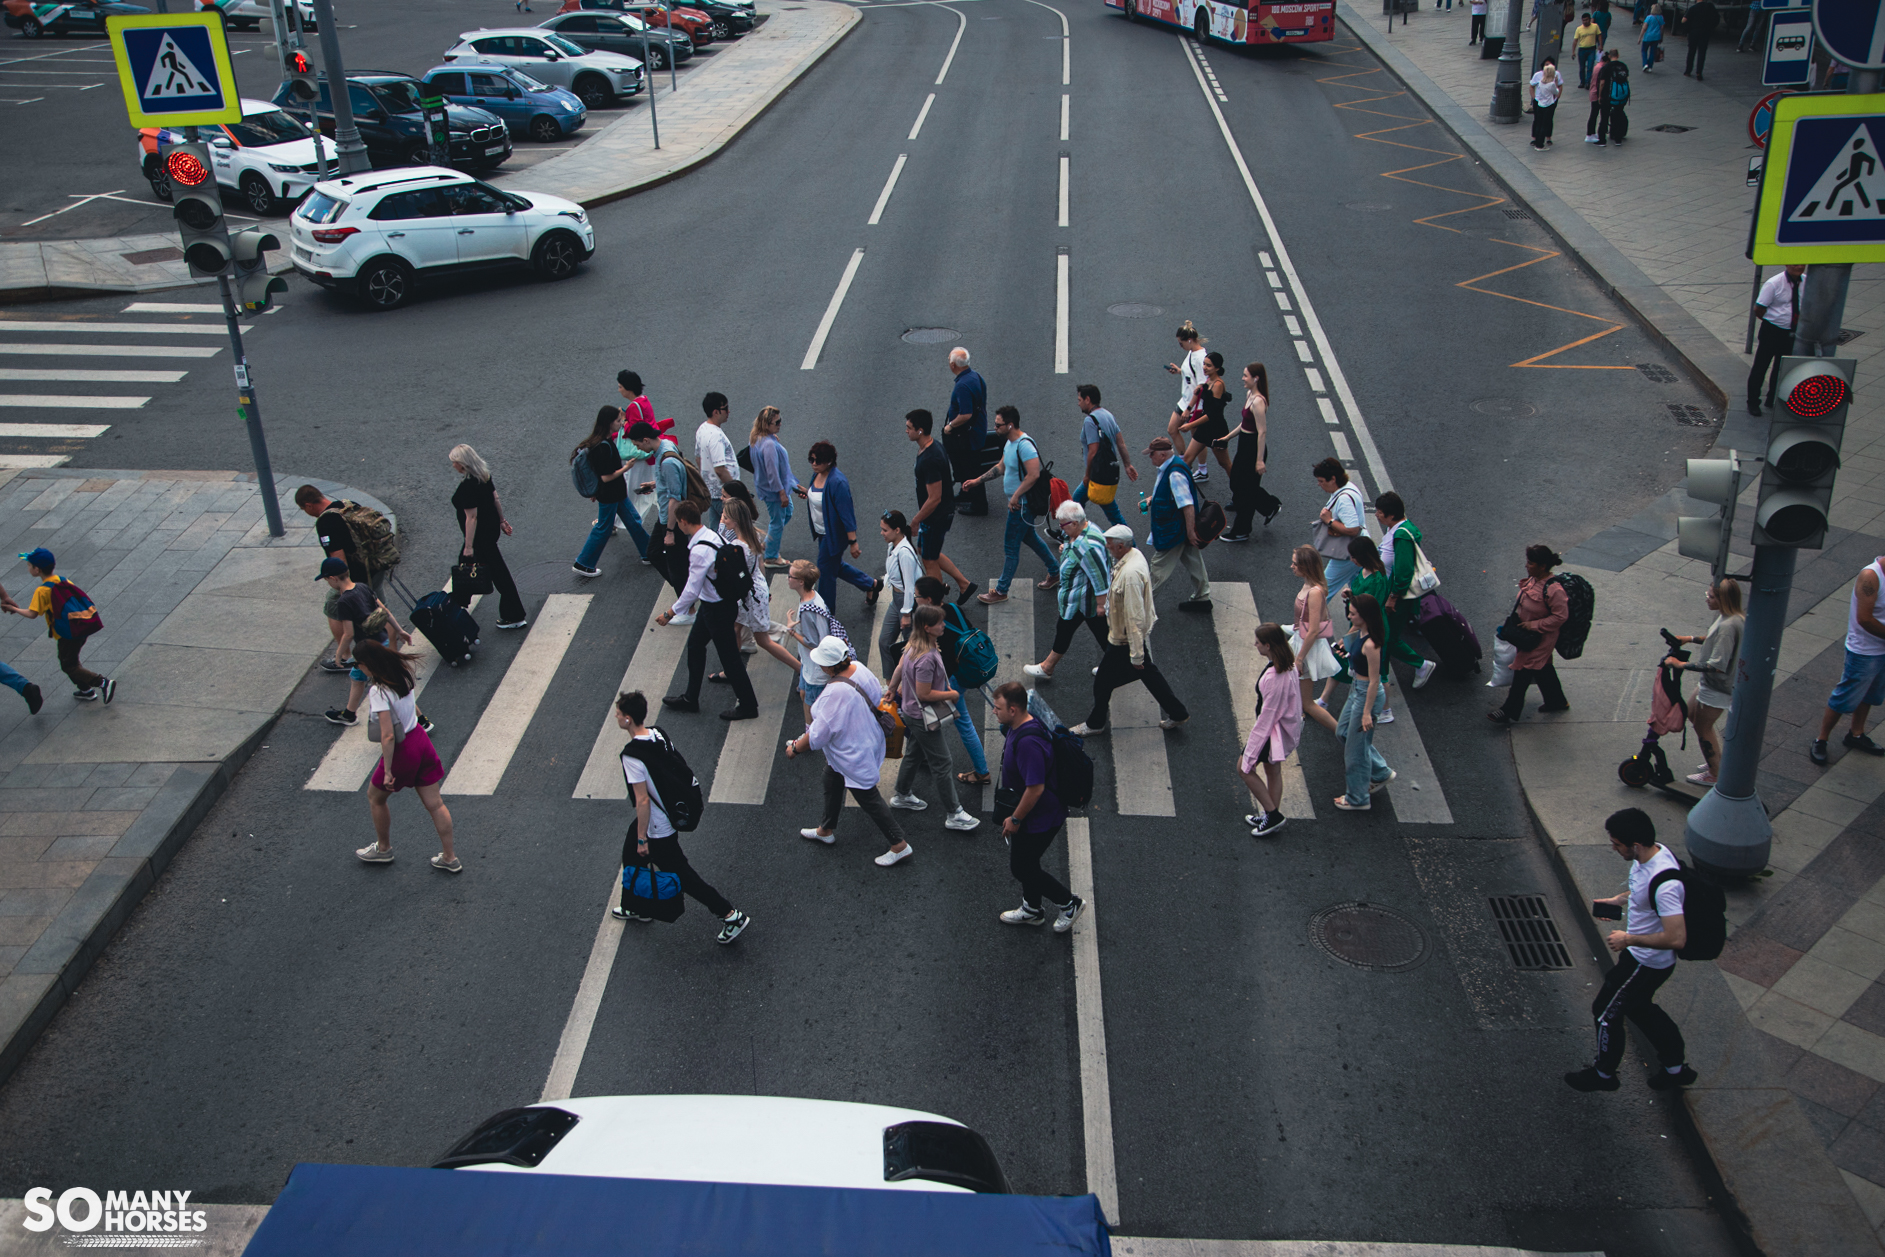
{"type": "Point", "coordinates": [599, 78]}
{"type": "Point", "coordinates": [374, 234]}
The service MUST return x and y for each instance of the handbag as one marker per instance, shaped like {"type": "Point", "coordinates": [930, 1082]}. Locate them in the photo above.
{"type": "Point", "coordinates": [650, 892]}
{"type": "Point", "coordinates": [373, 730]}
{"type": "Point", "coordinates": [1327, 544]}
{"type": "Point", "coordinates": [1514, 631]}
{"type": "Point", "coordinates": [471, 577]}
{"type": "Point", "coordinates": [1101, 494]}
{"type": "Point", "coordinates": [934, 714]}
{"type": "Point", "coordinates": [1425, 580]}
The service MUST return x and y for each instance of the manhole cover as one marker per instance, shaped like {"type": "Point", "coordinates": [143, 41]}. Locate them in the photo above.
{"type": "Point", "coordinates": [1656, 371]}
{"type": "Point", "coordinates": [1847, 335]}
{"type": "Point", "coordinates": [1504, 408]}
{"type": "Point", "coordinates": [1135, 310]}
{"type": "Point", "coordinates": [1368, 936]}
{"type": "Point", "coordinates": [931, 335]}
{"type": "Point", "coordinates": [1693, 416]}
{"type": "Point", "coordinates": [148, 256]}
{"type": "Point", "coordinates": [1672, 128]}
{"type": "Point", "coordinates": [1366, 205]}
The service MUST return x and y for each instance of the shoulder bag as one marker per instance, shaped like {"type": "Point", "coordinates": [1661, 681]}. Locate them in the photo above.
{"type": "Point", "coordinates": [1327, 543]}
{"type": "Point", "coordinates": [1514, 631]}
{"type": "Point", "coordinates": [887, 718]}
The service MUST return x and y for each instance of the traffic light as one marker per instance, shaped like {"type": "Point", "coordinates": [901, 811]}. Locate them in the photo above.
{"type": "Point", "coordinates": [198, 207]}
{"type": "Point", "coordinates": [1716, 480]}
{"type": "Point", "coordinates": [1803, 452]}
{"type": "Point", "coordinates": [254, 285]}
{"type": "Point", "coordinates": [298, 76]}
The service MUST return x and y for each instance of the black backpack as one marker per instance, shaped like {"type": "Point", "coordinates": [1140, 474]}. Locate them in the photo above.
{"type": "Point", "coordinates": [675, 783]}
{"type": "Point", "coordinates": [1582, 600]}
{"type": "Point", "coordinates": [1704, 911]}
{"type": "Point", "coordinates": [1073, 768]}
{"type": "Point", "coordinates": [732, 578]}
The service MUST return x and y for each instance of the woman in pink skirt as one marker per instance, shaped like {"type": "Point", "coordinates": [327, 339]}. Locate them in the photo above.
{"type": "Point", "coordinates": [407, 757]}
{"type": "Point", "coordinates": [1276, 732]}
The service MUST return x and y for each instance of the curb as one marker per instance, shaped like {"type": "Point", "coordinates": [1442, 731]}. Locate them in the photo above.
{"type": "Point", "coordinates": [79, 935]}
{"type": "Point", "coordinates": [1702, 355]}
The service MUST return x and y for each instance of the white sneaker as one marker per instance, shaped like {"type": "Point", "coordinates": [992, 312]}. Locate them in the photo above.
{"type": "Point", "coordinates": [1039, 673]}
{"type": "Point", "coordinates": [815, 836]}
{"type": "Point", "coordinates": [686, 617]}
{"type": "Point", "coordinates": [1070, 913]}
{"type": "Point", "coordinates": [1424, 673]}
{"type": "Point", "coordinates": [1386, 717]}
{"type": "Point", "coordinates": [1024, 915]}
{"type": "Point", "coordinates": [1096, 670]}
{"type": "Point", "coordinates": [961, 821]}
{"type": "Point", "coordinates": [1591, 139]}
{"type": "Point", "coordinates": [1376, 787]}
{"type": "Point", "coordinates": [1084, 730]}
{"type": "Point", "coordinates": [909, 802]}
{"type": "Point", "coordinates": [889, 858]}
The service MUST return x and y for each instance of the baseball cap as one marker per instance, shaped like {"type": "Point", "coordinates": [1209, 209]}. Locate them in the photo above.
{"type": "Point", "coordinates": [332, 567]}
{"type": "Point", "coordinates": [1121, 533]}
{"type": "Point", "coordinates": [830, 652]}
{"type": "Point", "coordinates": [40, 558]}
{"type": "Point", "coordinates": [1159, 443]}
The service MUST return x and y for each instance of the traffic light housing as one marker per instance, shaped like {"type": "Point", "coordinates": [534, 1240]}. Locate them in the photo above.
{"type": "Point", "coordinates": [1716, 480]}
{"type": "Point", "coordinates": [198, 207]}
{"type": "Point", "coordinates": [254, 285]}
{"type": "Point", "coordinates": [1803, 452]}
{"type": "Point", "coordinates": [298, 74]}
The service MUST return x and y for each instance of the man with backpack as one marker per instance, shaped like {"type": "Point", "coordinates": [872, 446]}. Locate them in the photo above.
{"type": "Point", "coordinates": [366, 562]}
{"type": "Point", "coordinates": [1400, 555]}
{"type": "Point", "coordinates": [70, 618]}
{"type": "Point", "coordinates": [1655, 930]}
{"type": "Point", "coordinates": [667, 800]}
{"type": "Point", "coordinates": [1130, 616]}
{"type": "Point", "coordinates": [672, 484]}
{"type": "Point", "coordinates": [1031, 812]}
{"type": "Point", "coordinates": [1617, 98]}
{"type": "Point", "coordinates": [1105, 454]}
{"type": "Point", "coordinates": [1023, 479]}
{"type": "Point", "coordinates": [717, 581]}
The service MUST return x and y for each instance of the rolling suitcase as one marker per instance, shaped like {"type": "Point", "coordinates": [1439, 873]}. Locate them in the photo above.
{"type": "Point", "coordinates": [448, 626]}
{"type": "Point", "coordinates": [1448, 632]}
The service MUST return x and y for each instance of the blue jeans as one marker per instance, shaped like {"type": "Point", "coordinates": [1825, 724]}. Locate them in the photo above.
{"type": "Point", "coordinates": [971, 739]}
{"type": "Point", "coordinates": [1111, 508]}
{"type": "Point", "coordinates": [1363, 764]}
{"type": "Point", "coordinates": [1338, 572]}
{"type": "Point", "coordinates": [1021, 528]}
{"type": "Point", "coordinates": [606, 514]}
{"type": "Point", "coordinates": [715, 509]}
{"type": "Point", "coordinates": [777, 516]}
{"type": "Point", "coordinates": [833, 566]}
{"type": "Point", "coordinates": [17, 683]}
{"type": "Point", "coordinates": [1586, 58]}
{"type": "Point", "coordinates": [1649, 53]}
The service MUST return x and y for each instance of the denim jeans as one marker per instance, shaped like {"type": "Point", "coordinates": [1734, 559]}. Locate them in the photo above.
{"type": "Point", "coordinates": [1111, 508]}
{"type": "Point", "coordinates": [1021, 528]}
{"type": "Point", "coordinates": [711, 517]}
{"type": "Point", "coordinates": [777, 517]}
{"type": "Point", "coordinates": [1362, 762]}
{"type": "Point", "coordinates": [17, 683]}
{"type": "Point", "coordinates": [1586, 60]}
{"type": "Point", "coordinates": [965, 725]}
{"type": "Point", "coordinates": [606, 515]}
{"type": "Point", "coordinates": [1338, 572]}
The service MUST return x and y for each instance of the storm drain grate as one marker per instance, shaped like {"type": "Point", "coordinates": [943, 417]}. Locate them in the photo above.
{"type": "Point", "coordinates": [1522, 215]}
{"type": "Point", "coordinates": [1672, 128]}
{"type": "Point", "coordinates": [1694, 416]}
{"type": "Point", "coordinates": [1531, 936]}
{"type": "Point", "coordinates": [1847, 335]}
{"type": "Point", "coordinates": [1656, 371]}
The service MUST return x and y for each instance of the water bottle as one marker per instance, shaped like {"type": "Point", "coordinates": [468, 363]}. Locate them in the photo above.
{"type": "Point", "coordinates": [1144, 506]}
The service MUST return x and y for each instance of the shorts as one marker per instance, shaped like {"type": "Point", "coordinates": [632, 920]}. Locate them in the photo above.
{"type": "Point", "coordinates": [355, 672]}
{"type": "Point", "coordinates": [930, 534]}
{"type": "Point", "coordinates": [1710, 698]}
{"type": "Point", "coordinates": [331, 604]}
{"type": "Point", "coordinates": [1861, 684]}
{"type": "Point", "coordinates": [1210, 432]}
{"type": "Point", "coordinates": [808, 692]}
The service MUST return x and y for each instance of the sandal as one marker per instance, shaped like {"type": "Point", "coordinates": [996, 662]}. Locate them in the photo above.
{"type": "Point", "coordinates": [718, 678]}
{"type": "Point", "coordinates": [972, 779]}
{"type": "Point", "coordinates": [877, 587]}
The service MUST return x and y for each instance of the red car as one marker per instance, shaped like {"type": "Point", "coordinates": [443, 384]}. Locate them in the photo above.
{"type": "Point", "coordinates": [695, 24]}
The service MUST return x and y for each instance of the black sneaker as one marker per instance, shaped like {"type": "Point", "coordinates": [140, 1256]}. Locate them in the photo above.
{"type": "Point", "coordinates": [1271, 513]}
{"type": "Point", "coordinates": [85, 696]}
{"type": "Point", "coordinates": [336, 665]}
{"type": "Point", "coordinates": [34, 699]}
{"type": "Point", "coordinates": [1195, 604]}
{"type": "Point", "coordinates": [1268, 825]}
{"type": "Point", "coordinates": [341, 716]}
{"type": "Point", "coordinates": [680, 702]}
{"type": "Point", "coordinates": [425, 722]}
{"type": "Point", "coordinates": [1817, 752]}
{"type": "Point", "coordinates": [580, 570]}
{"type": "Point", "coordinates": [1857, 741]}
{"type": "Point", "coordinates": [108, 687]}
{"type": "Point", "coordinates": [1663, 1080]}
{"type": "Point", "coordinates": [1588, 1079]}
{"type": "Point", "coordinates": [740, 713]}
{"type": "Point", "coordinates": [732, 927]}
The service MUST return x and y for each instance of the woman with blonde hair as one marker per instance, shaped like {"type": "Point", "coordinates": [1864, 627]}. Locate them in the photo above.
{"type": "Point", "coordinates": [928, 704]}
{"type": "Point", "coordinates": [773, 481]}
{"type": "Point", "coordinates": [1311, 635]}
{"type": "Point", "coordinates": [1277, 730]}
{"type": "Point", "coordinates": [1720, 659]}
{"type": "Point", "coordinates": [1190, 373]}
{"type": "Point", "coordinates": [481, 520]}
{"type": "Point", "coordinates": [755, 610]}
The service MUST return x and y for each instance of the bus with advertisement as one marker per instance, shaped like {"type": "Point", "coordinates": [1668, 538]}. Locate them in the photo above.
{"type": "Point", "coordinates": [1256, 23]}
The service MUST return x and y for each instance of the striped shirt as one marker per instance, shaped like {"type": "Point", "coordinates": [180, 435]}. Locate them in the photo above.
{"type": "Point", "coordinates": [1085, 572]}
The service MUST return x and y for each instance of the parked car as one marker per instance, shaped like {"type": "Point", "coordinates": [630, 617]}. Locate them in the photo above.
{"type": "Point", "coordinates": [386, 109]}
{"type": "Point", "coordinates": [248, 15]}
{"type": "Point", "coordinates": [85, 18]}
{"type": "Point", "coordinates": [622, 32]}
{"type": "Point", "coordinates": [379, 235]}
{"type": "Point", "coordinates": [697, 25]}
{"type": "Point", "coordinates": [266, 158]}
{"type": "Point", "coordinates": [542, 112]}
{"type": "Point", "coordinates": [600, 78]}
{"type": "Point", "coordinates": [726, 18]}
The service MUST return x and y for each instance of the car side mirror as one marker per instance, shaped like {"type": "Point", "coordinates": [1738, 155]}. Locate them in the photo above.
{"type": "Point", "coordinates": [553, 57]}
{"type": "Point", "coordinates": [221, 141]}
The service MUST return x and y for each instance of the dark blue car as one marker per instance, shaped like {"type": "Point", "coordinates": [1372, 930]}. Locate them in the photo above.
{"type": "Point", "coordinates": [527, 106]}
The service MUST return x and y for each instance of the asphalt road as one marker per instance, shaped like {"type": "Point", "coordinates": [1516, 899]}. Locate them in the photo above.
{"type": "Point", "coordinates": [273, 1002]}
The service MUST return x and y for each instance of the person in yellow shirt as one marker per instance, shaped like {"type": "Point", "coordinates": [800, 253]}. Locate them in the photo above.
{"type": "Point", "coordinates": [1588, 35]}
{"type": "Point", "coordinates": [90, 685]}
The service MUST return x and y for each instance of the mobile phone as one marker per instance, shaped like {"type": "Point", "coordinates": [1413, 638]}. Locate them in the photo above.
{"type": "Point", "coordinates": [1606, 911]}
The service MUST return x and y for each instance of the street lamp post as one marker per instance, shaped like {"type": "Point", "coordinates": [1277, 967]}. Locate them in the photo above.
{"type": "Point", "coordinates": [350, 151]}
{"type": "Point", "coordinates": [1506, 106]}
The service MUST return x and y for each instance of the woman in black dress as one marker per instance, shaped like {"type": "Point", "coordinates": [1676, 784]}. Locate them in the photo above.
{"type": "Point", "coordinates": [481, 519]}
{"type": "Point", "coordinates": [1205, 424]}
{"type": "Point", "coordinates": [1248, 497]}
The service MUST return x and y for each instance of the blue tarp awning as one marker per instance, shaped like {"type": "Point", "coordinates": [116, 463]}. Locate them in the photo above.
{"type": "Point", "coordinates": [377, 1211]}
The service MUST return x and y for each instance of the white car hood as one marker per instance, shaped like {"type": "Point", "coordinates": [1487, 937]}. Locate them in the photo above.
{"type": "Point", "coordinates": [547, 204]}
{"type": "Point", "coordinates": [611, 60]}
{"type": "Point", "coordinates": [291, 152]}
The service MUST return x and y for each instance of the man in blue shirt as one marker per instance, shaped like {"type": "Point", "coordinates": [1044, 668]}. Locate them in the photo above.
{"type": "Point", "coordinates": [1105, 451]}
{"type": "Point", "coordinates": [1020, 468]}
{"type": "Point", "coordinates": [966, 430]}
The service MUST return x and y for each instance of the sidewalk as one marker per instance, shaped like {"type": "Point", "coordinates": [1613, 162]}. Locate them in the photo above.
{"type": "Point", "coordinates": [209, 625]}
{"type": "Point", "coordinates": [717, 102]}
{"type": "Point", "coordinates": [1788, 1029]}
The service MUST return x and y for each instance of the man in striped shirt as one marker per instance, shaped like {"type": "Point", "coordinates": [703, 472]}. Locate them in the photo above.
{"type": "Point", "coordinates": [1085, 576]}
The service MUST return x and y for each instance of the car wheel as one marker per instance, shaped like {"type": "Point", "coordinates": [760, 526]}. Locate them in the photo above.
{"type": "Point", "coordinates": [594, 91]}
{"type": "Point", "coordinates": [31, 28]}
{"type": "Point", "coordinates": [545, 130]}
{"type": "Point", "coordinates": [258, 195]}
{"type": "Point", "coordinates": [1201, 26]}
{"type": "Point", "coordinates": [720, 29]}
{"type": "Point", "coordinates": [386, 284]}
{"type": "Point", "coordinates": [557, 255]}
{"type": "Point", "coordinates": [159, 178]}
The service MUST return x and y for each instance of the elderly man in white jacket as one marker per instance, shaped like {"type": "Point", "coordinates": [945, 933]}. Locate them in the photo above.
{"type": "Point", "coordinates": [1130, 616]}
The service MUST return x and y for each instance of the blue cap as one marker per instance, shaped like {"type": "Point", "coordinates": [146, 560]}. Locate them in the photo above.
{"type": "Point", "coordinates": [332, 567]}
{"type": "Point", "coordinates": [40, 558]}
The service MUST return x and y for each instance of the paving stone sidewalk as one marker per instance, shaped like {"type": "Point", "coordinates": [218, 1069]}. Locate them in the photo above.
{"type": "Point", "coordinates": [1788, 1028]}
{"type": "Point", "coordinates": [209, 625]}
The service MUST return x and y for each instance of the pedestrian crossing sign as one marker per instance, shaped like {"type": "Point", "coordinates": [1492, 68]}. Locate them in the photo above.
{"type": "Point", "coordinates": [174, 69]}
{"type": "Point", "coordinates": [1823, 184]}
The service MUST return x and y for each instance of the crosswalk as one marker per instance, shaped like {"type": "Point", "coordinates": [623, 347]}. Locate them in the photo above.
{"type": "Point", "coordinates": [115, 371]}
{"type": "Point", "coordinates": [742, 770]}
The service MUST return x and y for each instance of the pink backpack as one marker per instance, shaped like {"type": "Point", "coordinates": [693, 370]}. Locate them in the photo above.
{"type": "Point", "coordinates": [1667, 712]}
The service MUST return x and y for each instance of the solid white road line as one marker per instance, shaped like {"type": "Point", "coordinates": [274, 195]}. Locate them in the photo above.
{"type": "Point", "coordinates": [82, 431]}
{"type": "Point", "coordinates": [1416, 793]}
{"type": "Point", "coordinates": [63, 401]}
{"type": "Point", "coordinates": [650, 670]}
{"type": "Point", "coordinates": [115, 351]}
{"type": "Point", "coordinates": [1065, 114]}
{"type": "Point", "coordinates": [1063, 190]}
{"type": "Point", "coordinates": [34, 460]}
{"type": "Point", "coordinates": [831, 312]}
{"type": "Point", "coordinates": [1011, 629]}
{"type": "Point", "coordinates": [174, 307]}
{"type": "Point", "coordinates": [1096, 1093]}
{"type": "Point", "coordinates": [890, 185]}
{"type": "Point", "coordinates": [962, 23]}
{"type": "Point", "coordinates": [744, 770]}
{"type": "Point", "coordinates": [56, 375]}
{"type": "Point", "coordinates": [924, 113]}
{"type": "Point", "coordinates": [1142, 774]}
{"type": "Point", "coordinates": [114, 329]}
{"type": "Point", "coordinates": [1376, 470]}
{"type": "Point", "coordinates": [1060, 314]}
{"type": "Point", "coordinates": [481, 764]}
{"type": "Point", "coordinates": [1235, 619]}
{"type": "Point", "coordinates": [582, 1014]}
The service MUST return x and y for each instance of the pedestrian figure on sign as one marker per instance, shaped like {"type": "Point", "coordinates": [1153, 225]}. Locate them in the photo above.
{"type": "Point", "coordinates": [1721, 655]}
{"type": "Point", "coordinates": [845, 727]}
{"type": "Point", "coordinates": [1859, 166]}
{"type": "Point", "coordinates": [1277, 730]}
{"type": "Point", "coordinates": [407, 756]}
{"type": "Point", "coordinates": [12, 679]}
{"type": "Point", "coordinates": [1130, 616]}
{"type": "Point", "coordinates": [1862, 682]}
{"type": "Point", "coordinates": [71, 619]}
{"type": "Point", "coordinates": [1537, 616]}
{"type": "Point", "coordinates": [1366, 772]}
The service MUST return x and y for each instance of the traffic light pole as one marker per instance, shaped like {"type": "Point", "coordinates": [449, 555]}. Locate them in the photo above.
{"type": "Point", "coordinates": [350, 149]}
{"type": "Point", "coordinates": [251, 413]}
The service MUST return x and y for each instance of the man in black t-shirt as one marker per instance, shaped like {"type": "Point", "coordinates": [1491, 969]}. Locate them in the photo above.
{"type": "Point", "coordinates": [337, 542]}
{"type": "Point", "coordinates": [935, 501]}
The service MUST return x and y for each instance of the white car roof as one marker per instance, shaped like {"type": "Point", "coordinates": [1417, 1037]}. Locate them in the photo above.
{"type": "Point", "coordinates": [405, 177]}
{"type": "Point", "coordinates": [502, 30]}
{"type": "Point", "coordinates": [730, 1139]}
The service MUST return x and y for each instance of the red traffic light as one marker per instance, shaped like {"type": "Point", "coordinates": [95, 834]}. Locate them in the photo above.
{"type": "Point", "coordinates": [1817, 395]}
{"type": "Point", "coordinates": [186, 168]}
{"type": "Point", "coordinates": [298, 63]}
